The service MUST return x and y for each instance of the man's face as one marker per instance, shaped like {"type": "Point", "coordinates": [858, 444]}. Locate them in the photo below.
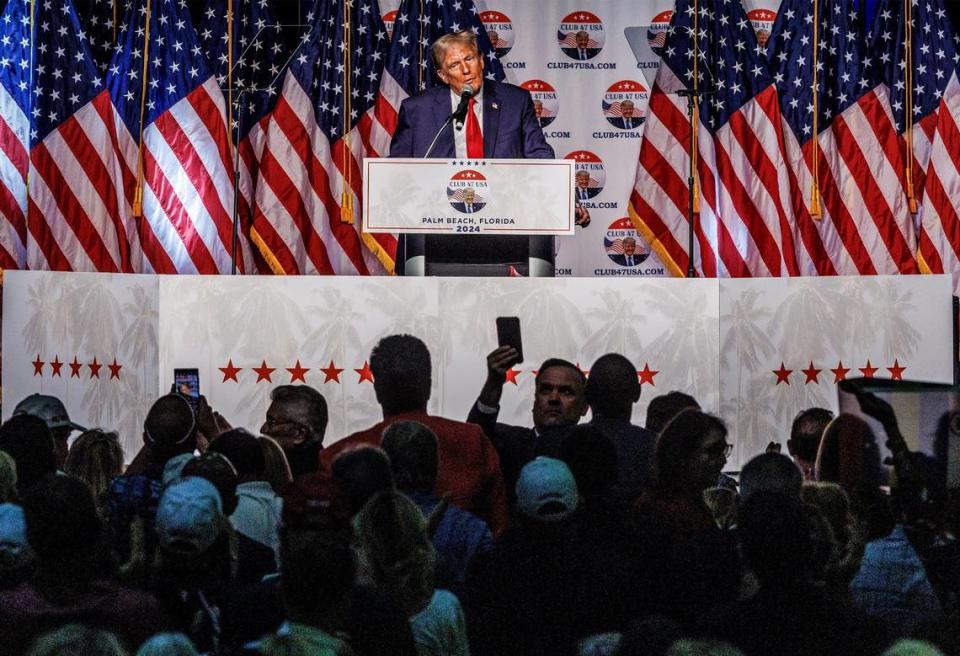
{"type": "Point", "coordinates": [494, 38]}
{"type": "Point", "coordinates": [538, 108]}
{"type": "Point", "coordinates": [629, 246]}
{"type": "Point", "coordinates": [627, 110]}
{"type": "Point", "coordinates": [583, 179]}
{"type": "Point", "coordinates": [282, 424]}
{"type": "Point", "coordinates": [558, 399]}
{"type": "Point", "coordinates": [461, 65]}
{"type": "Point", "coordinates": [708, 461]}
{"type": "Point", "coordinates": [583, 39]}
{"type": "Point", "coordinates": [469, 194]}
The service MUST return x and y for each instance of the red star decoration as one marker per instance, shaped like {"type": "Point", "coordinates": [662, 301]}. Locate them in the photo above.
{"type": "Point", "coordinates": [56, 365]}
{"type": "Point", "coordinates": [75, 367]}
{"type": "Point", "coordinates": [94, 368]}
{"type": "Point", "coordinates": [115, 369]}
{"type": "Point", "coordinates": [512, 375]}
{"type": "Point", "coordinates": [330, 372]}
{"type": "Point", "coordinates": [263, 371]}
{"type": "Point", "coordinates": [812, 374]}
{"type": "Point", "coordinates": [298, 373]}
{"type": "Point", "coordinates": [783, 374]}
{"type": "Point", "coordinates": [896, 371]}
{"type": "Point", "coordinates": [647, 374]}
{"type": "Point", "coordinates": [230, 372]}
{"type": "Point", "coordinates": [868, 371]}
{"type": "Point", "coordinates": [38, 366]}
{"type": "Point", "coordinates": [365, 373]}
{"type": "Point", "coordinates": [840, 373]}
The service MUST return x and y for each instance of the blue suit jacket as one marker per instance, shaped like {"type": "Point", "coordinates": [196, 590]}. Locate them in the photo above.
{"type": "Point", "coordinates": [510, 128]}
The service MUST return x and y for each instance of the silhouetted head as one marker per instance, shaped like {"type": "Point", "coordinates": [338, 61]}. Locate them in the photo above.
{"type": "Point", "coordinates": [401, 374]}
{"type": "Point", "coordinates": [613, 387]}
{"type": "Point", "coordinates": [412, 449]}
{"type": "Point", "coordinates": [665, 407]}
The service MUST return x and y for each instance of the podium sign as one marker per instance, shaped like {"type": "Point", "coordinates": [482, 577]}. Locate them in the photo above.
{"type": "Point", "coordinates": [493, 196]}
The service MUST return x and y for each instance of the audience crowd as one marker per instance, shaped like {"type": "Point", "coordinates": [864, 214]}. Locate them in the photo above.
{"type": "Point", "coordinates": [581, 534]}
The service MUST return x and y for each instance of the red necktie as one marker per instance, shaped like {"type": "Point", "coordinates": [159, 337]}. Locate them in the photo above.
{"type": "Point", "coordinates": [474, 136]}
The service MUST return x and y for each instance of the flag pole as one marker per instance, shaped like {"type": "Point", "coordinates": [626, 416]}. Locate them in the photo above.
{"type": "Point", "coordinates": [816, 212]}
{"type": "Point", "coordinates": [908, 60]}
{"type": "Point", "coordinates": [138, 191]}
{"type": "Point", "coordinates": [346, 196]}
{"type": "Point", "coordinates": [693, 112]}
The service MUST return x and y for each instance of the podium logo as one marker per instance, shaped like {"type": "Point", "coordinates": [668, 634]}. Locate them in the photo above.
{"type": "Point", "coordinates": [657, 32]}
{"type": "Point", "coordinates": [762, 21]}
{"type": "Point", "coordinates": [581, 35]}
{"type": "Point", "coordinates": [499, 29]}
{"type": "Point", "coordinates": [589, 177]}
{"type": "Point", "coordinates": [546, 105]}
{"type": "Point", "coordinates": [625, 104]}
{"type": "Point", "coordinates": [388, 20]}
{"type": "Point", "coordinates": [622, 244]}
{"type": "Point", "coordinates": [468, 191]}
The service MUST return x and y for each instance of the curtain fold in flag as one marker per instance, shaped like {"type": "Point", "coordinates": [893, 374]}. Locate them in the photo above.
{"type": "Point", "coordinates": [15, 76]}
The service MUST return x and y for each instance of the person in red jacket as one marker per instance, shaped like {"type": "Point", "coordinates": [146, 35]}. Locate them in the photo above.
{"type": "Point", "coordinates": [469, 468]}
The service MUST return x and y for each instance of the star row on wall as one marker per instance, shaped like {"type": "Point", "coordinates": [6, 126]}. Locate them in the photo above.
{"type": "Point", "coordinates": [812, 374]}
{"type": "Point", "coordinates": [55, 368]}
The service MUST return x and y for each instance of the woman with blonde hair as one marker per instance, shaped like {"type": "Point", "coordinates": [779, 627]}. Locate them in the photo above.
{"type": "Point", "coordinates": [276, 468]}
{"type": "Point", "coordinates": [96, 458]}
{"type": "Point", "coordinates": [396, 554]}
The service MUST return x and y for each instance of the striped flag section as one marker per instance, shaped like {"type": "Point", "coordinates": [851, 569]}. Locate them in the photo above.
{"type": "Point", "coordinates": [170, 131]}
{"type": "Point", "coordinates": [925, 100]}
{"type": "Point", "coordinates": [308, 194]}
{"type": "Point", "coordinates": [858, 176]}
{"type": "Point", "coordinates": [744, 225]}
{"type": "Point", "coordinates": [75, 216]}
{"type": "Point", "coordinates": [14, 132]}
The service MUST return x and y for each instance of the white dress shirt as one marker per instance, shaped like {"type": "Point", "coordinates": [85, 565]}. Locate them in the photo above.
{"type": "Point", "coordinates": [460, 129]}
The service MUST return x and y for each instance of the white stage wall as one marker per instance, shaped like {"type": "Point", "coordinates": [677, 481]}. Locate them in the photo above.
{"type": "Point", "coordinates": [721, 341]}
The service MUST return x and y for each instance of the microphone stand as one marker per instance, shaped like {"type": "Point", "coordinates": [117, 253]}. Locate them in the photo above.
{"type": "Point", "coordinates": [459, 112]}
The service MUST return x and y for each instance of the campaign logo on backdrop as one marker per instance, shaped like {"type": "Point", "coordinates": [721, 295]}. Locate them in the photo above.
{"type": "Point", "coordinates": [499, 30]}
{"type": "Point", "coordinates": [581, 35]}
{"type": "Point", "coordinates": [622, 244]}
{"type": "Point", "coordinates": [657, 32]}
{"type": "Point", "coordinates": [589, 177]}
{"type": "Point", "coordinates": [625, 103]}
{"type": "Point", "coordinates": [546, 105]}
{"type": "Point", "coordinates": [762, 21]}
{"type": "Point", "coordinates": [388, 20]}
{"type": "Point", "coordinates": [468, 191]}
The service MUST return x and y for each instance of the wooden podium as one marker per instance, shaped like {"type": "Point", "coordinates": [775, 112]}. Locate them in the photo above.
{"type": "Point", "coordinates": [493, 217]}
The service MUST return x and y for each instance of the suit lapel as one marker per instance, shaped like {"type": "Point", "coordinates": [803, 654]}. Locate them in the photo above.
{"type": "Point", "coordinates": [491, 120]}
{"type": "Point", "coordinates": [441, 110]}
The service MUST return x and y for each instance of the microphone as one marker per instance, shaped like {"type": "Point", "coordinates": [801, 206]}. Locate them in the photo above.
{"type": "Point", "coordinates": [466, 93]}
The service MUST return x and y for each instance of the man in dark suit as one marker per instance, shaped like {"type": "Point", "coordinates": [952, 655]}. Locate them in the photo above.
{"type": "Point", "coordinates": [630, 256]}
{"type": "Point", "coordinates": [627, 120]}
{"type": "Point", "coordinates": [470, 203]}
{"type": "Point", "coordinates": [500, 121]}
{"type": "Point", "coordinates": [558, 404]}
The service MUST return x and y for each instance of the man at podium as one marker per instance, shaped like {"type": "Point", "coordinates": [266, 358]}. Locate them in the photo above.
{"type": "Point", "coordinates": [500, 120]}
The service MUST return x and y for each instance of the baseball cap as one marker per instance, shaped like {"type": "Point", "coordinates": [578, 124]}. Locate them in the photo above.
{"type": "Point", "coordinates": [546, 490]}
{"type": "Point", "coordinates": [189, 516]}
{"type": "Point", "coordinates": [48, 408]}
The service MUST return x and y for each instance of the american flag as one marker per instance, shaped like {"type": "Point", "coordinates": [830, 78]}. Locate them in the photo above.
{"type": "Point", "coordinates": [410, 70]}
{"type": "Point", "coordinates": [14, 132]}
{"type": "Point", "coordinates": [743, 228]}
{"type": "Point", "coordinates": [261, 47]}
{"type": "Point", "coordinates": [76, 216]}
{"type": "Point", "coordinates": [100, 18]}
{"type": "Point", "coordinates": [308, 193]}
{"type": "Point", "coordinates": [171, 133]}
{"type": "Point", "coordinates": [925, 98]}
{"type": "Point", "coordinates": [865, 226]}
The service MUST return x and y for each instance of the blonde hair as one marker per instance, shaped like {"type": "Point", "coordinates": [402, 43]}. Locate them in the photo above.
{"type": "Point", "coordinates": [393, 536]}
{"type": "Point", "coordinates": [439, 47]}
{"type": "Point", "coordinates": [95, 458]}
{"type": "Point", "coordinates": [276, 469]}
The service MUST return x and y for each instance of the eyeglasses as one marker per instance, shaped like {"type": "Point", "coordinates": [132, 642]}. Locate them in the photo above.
{"type": "Point", "coordinates": [273, 423]}
{"type": "Point", "coordinates": [724, 449]}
